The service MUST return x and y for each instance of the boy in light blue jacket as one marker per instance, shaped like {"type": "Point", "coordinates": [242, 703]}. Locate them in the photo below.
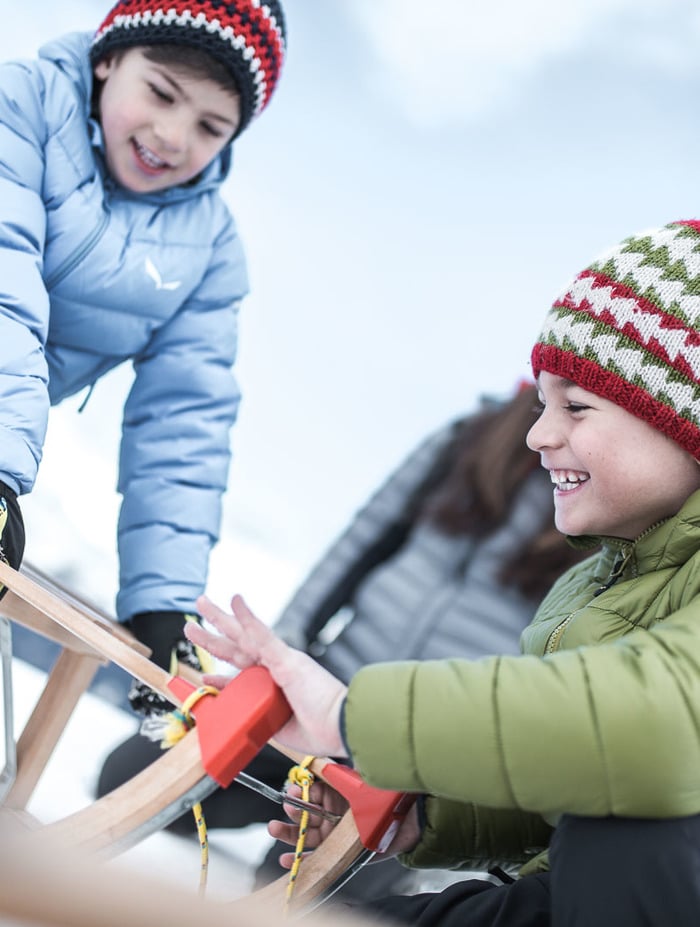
{"type": "Point", "coordinates": [116, 245]}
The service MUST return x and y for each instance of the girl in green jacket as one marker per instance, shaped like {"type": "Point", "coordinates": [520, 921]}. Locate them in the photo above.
{"type": "Point", "coordinates": [577, 762]}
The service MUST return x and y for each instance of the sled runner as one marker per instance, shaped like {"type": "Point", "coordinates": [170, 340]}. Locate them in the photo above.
{"type": "Point", "coordinates": [231, 727]}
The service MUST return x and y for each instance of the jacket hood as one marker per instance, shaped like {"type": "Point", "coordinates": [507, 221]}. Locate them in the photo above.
{"type": "Point", "coordinates": [71, 55]}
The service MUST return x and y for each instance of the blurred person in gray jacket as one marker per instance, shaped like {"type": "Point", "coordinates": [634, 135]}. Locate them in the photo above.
{"type": "Point", "coordinates": [449, 558]}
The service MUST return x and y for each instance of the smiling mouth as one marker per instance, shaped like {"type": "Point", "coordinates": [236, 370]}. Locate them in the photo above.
{"type": "Point", "coordinates": [149, 159]}
{"type": "Point", "coordinates": [566, 480]}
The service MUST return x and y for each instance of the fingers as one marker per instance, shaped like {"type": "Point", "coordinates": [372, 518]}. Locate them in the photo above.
{"type": "Point", "coordinates": [236, 643]}
{"type": "Point", "coordinates": [314, 695]}
{"type": "Point", "coordinates": [243, 639]}
{"type": "Point", "coordinates": [286, 860]}
{"type": "Point", "coordinates": [217, 681]}
{"type": "Point", "coordinates": [289, 833]}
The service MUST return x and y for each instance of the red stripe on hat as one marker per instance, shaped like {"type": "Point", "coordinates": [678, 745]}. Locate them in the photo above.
{"type": "Point", "coordinates": [592, 377]}
{"type": "Point", "coordinates": [690, 223]}
{"type": "Point", "coordinates": [258, 31]}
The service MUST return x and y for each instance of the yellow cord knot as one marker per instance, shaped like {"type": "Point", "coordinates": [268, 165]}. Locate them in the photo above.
{"type": "Point", "coordinates": [302, 776]}
{"type": "Point", "coordinates": [180, 720]}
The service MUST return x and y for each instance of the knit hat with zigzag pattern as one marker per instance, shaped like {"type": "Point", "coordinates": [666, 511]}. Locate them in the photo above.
{"type": "Point", "coordinates": [628, 329]}
{"type": "Point", "coordinates": [247, 36]}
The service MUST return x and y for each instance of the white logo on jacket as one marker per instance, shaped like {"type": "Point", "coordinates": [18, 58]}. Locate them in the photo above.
{"type": "Point", "coordinates": [155, 276]}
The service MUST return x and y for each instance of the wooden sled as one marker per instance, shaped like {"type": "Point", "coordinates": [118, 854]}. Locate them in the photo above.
{"type": "Point", "coordinates": [231, 728]}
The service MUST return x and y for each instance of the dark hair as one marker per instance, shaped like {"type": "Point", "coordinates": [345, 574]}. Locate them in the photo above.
{"type": "Point", "coordinates": [194, 62]}
{"type": "Point", "coordinates": [475, 483]}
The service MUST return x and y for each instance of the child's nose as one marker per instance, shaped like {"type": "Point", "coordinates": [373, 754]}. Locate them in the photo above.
{"type": "Point", "coordinates": [172, 132]}
{"type": "Point", "coordinates": [542, 434]}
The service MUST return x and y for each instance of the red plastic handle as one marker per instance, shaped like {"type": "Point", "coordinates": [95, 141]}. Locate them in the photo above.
{"type": "Point", "coordinates": [377, 812]}
{"type": "Point", "coordinates": [235, 725]}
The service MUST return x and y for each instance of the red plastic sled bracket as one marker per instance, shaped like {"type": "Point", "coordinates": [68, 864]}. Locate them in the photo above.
{"type": "Point", "coordinates": [235, 725]}
{"type": "Point", "coordinates": [377, 812]}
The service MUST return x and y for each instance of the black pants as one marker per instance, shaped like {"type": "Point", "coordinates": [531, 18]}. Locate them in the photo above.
{"type": "Point", "coordinates": [606, 872]}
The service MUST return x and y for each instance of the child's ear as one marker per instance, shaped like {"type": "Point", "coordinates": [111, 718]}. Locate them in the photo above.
{"type": "Point", "coordinates": [103, 68]}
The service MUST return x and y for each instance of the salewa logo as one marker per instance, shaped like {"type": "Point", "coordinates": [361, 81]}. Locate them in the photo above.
{"type": "Point", "coordinates": [155, 276]}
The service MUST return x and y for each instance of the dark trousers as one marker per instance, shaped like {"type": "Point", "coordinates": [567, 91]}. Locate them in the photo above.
{"type": "Point", "coordinates": [606, 872]}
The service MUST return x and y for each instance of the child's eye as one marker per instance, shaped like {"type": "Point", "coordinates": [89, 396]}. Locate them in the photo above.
{"type": "Point", "coordinates": [161, 94]}
{"type": "Point", "coordinates": [574, 407]}
{"type": "Point", "coordinates": [211, 130]}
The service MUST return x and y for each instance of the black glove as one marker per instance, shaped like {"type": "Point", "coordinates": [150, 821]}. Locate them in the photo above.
{"type": "Point", "coordinates": [11, 530]}
{"type": "Point", "coordinates": [163, 632]}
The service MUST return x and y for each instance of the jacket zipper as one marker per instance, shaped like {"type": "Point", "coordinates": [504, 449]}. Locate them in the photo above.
{"type": "Point", "coordinates": [79, 254]}
{"type": "Point", "coordinates": [621, 561]}
{"type": "Point", "coordinates": [615, 573]}
{"type": "Point", "coordinates": [556, 634]}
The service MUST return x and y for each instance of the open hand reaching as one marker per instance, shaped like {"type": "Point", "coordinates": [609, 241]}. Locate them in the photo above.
{"type": "Point", "coordinates": [314, 695]}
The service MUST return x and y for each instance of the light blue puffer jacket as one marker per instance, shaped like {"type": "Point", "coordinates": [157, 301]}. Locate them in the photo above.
{"type": "Point", "coordinates": [92, 275]}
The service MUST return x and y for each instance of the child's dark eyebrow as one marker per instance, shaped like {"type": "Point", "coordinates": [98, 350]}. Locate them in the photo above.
{"type": "Point", "coordinates": [180, 90]}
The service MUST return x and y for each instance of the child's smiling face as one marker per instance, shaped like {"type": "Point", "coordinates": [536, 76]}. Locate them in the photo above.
{"type": "Point", "coordinates": [161, 126]}
{"type": "Point", "coordinates": [613, 474]}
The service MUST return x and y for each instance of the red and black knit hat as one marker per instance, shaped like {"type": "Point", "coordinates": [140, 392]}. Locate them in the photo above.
{"type": "Point", "coordinates": [247, 36]}
{"type": "Point", "coordinates": [628, 329]}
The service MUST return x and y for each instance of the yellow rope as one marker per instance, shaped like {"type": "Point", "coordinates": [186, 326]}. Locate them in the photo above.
{"type": "Point", "coordinates": [302, 776]}
{"type": "Point", "coordinates": [180, 721]}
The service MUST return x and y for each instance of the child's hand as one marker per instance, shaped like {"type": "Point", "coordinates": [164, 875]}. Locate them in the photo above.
{"type": "Point", "coordinates": [314, 695]}
{"type": "Point", "coordinates": [318, 828]}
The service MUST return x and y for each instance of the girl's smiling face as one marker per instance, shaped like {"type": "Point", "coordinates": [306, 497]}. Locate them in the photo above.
{"type": "Point", "coordinates": [613, 474]}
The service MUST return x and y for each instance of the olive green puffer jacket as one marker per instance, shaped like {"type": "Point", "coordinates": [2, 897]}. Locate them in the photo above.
{"type": "Point", "coordinates": [599, 716]}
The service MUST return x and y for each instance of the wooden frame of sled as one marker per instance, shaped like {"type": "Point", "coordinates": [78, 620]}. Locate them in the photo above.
{"type": "Point", "coordinates": [231, 728]}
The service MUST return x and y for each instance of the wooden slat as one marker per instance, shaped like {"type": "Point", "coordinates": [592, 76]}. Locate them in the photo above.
{"type": "Point", "coordinates": [96, 635]}
{"type": "Point", "coordinates": [22, 613]}
{"type": "Point", "coordinates": [70, 677]}
{"type": "Point", "coordinates": [84, 606]}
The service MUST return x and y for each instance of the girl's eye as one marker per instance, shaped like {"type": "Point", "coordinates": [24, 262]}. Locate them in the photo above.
{"type": "Point", "coordinates": [574, 407]}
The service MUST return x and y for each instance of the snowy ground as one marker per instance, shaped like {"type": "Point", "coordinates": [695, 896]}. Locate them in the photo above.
{"type": "Point", "coordinates": [68, 785]}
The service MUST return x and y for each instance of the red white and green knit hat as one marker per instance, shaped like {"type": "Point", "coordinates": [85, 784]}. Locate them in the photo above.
{"type": "Point", "coordinates": [628, 329]}
{"type": "Point", "coordinates": [247, 36]}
